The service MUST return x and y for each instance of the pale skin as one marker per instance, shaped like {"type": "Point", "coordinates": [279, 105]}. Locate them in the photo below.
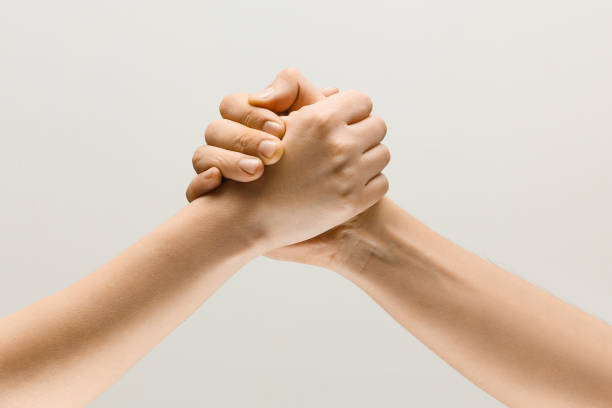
{"type": "Point", "coordinates": [66, 349]}
{"type": "Point", "coordinates": [517, 342]}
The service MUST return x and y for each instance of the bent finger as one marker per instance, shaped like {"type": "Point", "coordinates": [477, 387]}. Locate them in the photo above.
{"type": "Point", "coordinates": [234, 136]}
{"type": "Point", "coordinates": [374, 190]}
{"type": "Point", "coordinates": [236, 107]}
{"type": "Point", "coordinates": [233, 165]}
{"type": "Point", "coordinates": [289, 91]}
{"type": "Point", "coordinates": [352, 106]}
{"type": "Point", "coordinates": [370, 131]}
{"type": "Point", "coordinates": [374, 161]}
{"type": "Point", "coordinates": [203, 183]}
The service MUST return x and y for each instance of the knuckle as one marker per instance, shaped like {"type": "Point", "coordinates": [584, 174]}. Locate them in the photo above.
{"type": "Point", "coordinates": [211, 131]}
{"type": "Point", "coordinates": [305, 114]}
{"type": "Point", "coordinates": [221, 159]}
{"type": "Point", "coordinates": [236, 107]}
{"type": "Point", "coordinates": [242, 141]}
{"type": "Point", "coordinates": [197, 156]}
{"type": "Point", "coordinates": [320, 118]}
{"type": "Point", "coordinates": [227, 104]}
{"type": "Point", "coordinates": [384, 185]}
{"type": "Point", "coordinates": [385, 182]}
{"type": "Point", "coordinates": [386, 154]}
{"type": "Point", "coordinates": [345, 190]}
{"type": "Point", "coordinates": [338, 161]}
{"type": "Point", "coordinates": [250, 118]}
{"type": "Point", "coordinates": [340, 147]}
{"type": "Point", "coordinates": [367, 102]}
{"type": "Point", "coordinates": [344, 182]}
{"type": "Point", "coordinates": [382, 125]}
{"type": "Point", "coordinates": [189, 193]}
{"type": "Point", "coordinates": [360, 98]}
{"type": "Point", "coordinates": [290, 72]}
{"type": "Point", "coordinates": [337, 148]}
{"type": "Point", "coordinates": [345, 176]}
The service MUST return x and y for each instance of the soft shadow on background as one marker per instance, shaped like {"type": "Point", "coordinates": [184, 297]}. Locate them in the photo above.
{"type": "Point", "coordinates": [500, 132]}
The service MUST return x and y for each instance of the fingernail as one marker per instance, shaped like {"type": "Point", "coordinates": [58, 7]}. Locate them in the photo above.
{"type": "Point", "coordinates": [267, 148]}
{"type": "Point", "coordinates": [266, 93]}
{"type": "Point", "coordinates": [249, 165]}
{"type": "Point", "coordinates": [274, 128]}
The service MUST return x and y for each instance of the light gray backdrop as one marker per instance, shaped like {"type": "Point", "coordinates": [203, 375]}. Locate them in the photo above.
{"type": "Point", "coordinates": [500, 126]}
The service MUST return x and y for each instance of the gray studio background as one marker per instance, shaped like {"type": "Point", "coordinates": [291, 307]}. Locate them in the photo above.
{"type": "Point", "coordinates": [499, 117]}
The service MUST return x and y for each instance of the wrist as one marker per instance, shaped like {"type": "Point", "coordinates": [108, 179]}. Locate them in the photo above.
{"type": "Point", "coordinates": [372, 238]}
{"type": "Point", "coordinates": [390, 244]}
{"type": "Point", "coordinates": [235, 221]}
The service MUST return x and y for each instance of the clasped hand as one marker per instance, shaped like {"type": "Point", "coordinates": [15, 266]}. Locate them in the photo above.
{"type": "Point", "coordinates": [330, 171]}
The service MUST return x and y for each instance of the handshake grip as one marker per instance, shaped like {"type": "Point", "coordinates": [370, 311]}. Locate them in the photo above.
{"type": "Point", "coordinates": [331, 151]}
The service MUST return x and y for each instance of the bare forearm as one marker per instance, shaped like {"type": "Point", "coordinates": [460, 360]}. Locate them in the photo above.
{"type": "Point", "coordinates": [68, 348]}
{"type": "Point", "coordinates": [519, 343]}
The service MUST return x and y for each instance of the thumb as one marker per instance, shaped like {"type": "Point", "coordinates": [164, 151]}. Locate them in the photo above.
{"type": "Point", "coordinates": [289, 92]}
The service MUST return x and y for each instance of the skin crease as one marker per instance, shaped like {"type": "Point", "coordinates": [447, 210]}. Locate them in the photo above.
{"type": "Point", "coordinates": [517, 342]}
{"type": "Point", "coordinates": [65, 350]}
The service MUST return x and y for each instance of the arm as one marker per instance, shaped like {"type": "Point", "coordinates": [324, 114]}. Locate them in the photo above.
{"type": "Point", "coordinates": [66, 349]}
{"type": "Point", "coordinates": [520, 344]}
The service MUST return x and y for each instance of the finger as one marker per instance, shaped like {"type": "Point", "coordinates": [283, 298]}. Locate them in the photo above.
{"type": "Point", "coordinates": [370, 131]}
{"type": "Point", "coordinates": [233, 165]}
{"type": "Point", "coordinates": [352, 106]}
{"type": "Point", "coordinates": [329, 91]}
{"type": "Point", "coordinates": [289, 91]}
{"type": "Point", "coordinates": [236, 107]}
{"type": "Point", "coordinates": [374, 161]}
{"type": "Point", "coordinates": [374, 190]}
{"type": "Point", "coordinates": [203, 183]}
{"type": "Point", "coordinates": [231, 135]}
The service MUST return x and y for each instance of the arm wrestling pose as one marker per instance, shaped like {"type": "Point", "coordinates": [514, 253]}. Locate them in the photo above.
{"type": "Point", "coordinates": [66, 349]}
{"type": "Point", "coordinates": [519, 343]}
